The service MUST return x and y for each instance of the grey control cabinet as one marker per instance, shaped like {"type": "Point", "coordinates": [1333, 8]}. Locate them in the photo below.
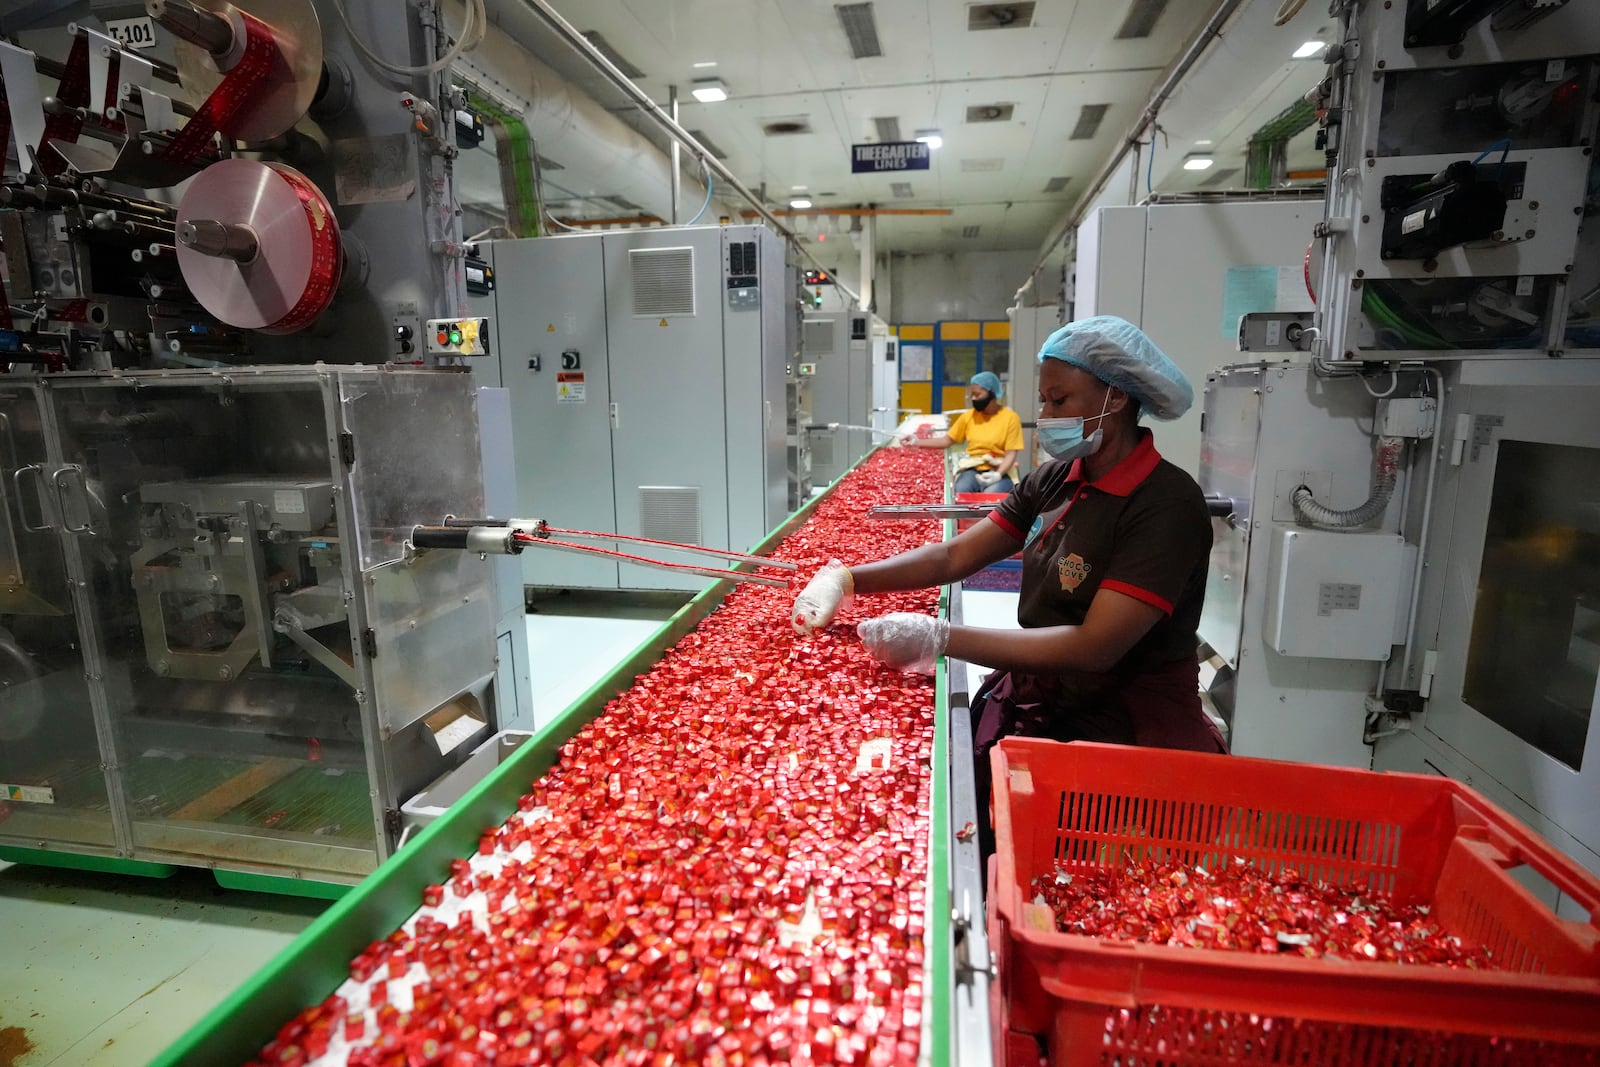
{"type": "Point", "coordinates": [647, 375]}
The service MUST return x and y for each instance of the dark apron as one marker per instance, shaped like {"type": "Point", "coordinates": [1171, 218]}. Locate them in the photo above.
{"type": "Point", "coordinates": [1152, 709]}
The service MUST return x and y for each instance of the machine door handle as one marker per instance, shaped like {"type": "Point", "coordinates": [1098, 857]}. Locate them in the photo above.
{"type": "Point", "coordinates": [616, 422]}
{"type": "Point", "coordinates": [22, 512]}
{"type": "Point", "coordinates": [59, 480]}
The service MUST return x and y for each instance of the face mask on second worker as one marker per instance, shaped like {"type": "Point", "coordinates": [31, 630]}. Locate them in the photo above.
{"type": "Point", "coordinates": [1064, 439]}
{"type": "Point", "coordinates": [982, 402]}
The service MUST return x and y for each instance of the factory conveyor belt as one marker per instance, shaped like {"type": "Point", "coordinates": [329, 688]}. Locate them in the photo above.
{"type": "Point", "coordinates": [759, 848]}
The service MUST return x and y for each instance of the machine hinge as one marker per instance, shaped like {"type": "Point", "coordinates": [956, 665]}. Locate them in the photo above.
{"type": "Point", "coordinates": [369, 643]}
{"type": "Point", "coordinates": [1430, 664]}
{"type": "Point", "coordinates": [347, 448]}
{"type": "Point", "coordinates": [391, 822]}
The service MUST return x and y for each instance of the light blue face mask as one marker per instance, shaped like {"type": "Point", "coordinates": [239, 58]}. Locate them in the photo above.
{"type": "Point", "coordinates": [1063, 438]}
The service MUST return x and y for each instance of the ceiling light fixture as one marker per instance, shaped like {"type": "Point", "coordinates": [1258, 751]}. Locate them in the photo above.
{"type": "Point", "coordinates": [800, 204]}
{"type": "Point", "coordinates": [702, 66]}
{"type": "Point", "coordinates": [1203, 144]}
{"type": "Point", "coordinates": [797, 188]}
{"type": "Point", "coordinates": [1309, 49]}
{"type": "Point", "coordinates": [1201, 162]}
{"type": "Point", "coordinates": [932, 138]}
{"type": "Point", "coordinates": [709, 90]}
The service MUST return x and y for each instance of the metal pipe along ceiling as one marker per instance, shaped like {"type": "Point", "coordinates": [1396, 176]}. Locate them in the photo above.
{"type": "Point", "coordinates": [606, 155]}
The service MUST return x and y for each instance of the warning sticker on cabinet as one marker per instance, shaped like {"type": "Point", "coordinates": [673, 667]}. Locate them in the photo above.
{"type": "Point", "coordinates": [569, 387]}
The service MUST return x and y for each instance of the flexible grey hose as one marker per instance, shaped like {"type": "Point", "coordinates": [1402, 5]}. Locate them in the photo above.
{"type": "Point", "coordinates": [1307, 509]}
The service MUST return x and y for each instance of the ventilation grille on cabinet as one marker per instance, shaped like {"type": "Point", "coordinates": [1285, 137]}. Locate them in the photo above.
{"type": "Point", "coordinates": [663, 281]}
{"type": "Point", "coordinates": [816, 337]}
{"type": "Point", "coordinates": [670, 513]}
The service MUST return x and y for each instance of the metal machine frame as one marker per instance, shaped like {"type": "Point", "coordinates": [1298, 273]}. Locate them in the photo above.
{"type": "Point", "coordinates": [351, 659]}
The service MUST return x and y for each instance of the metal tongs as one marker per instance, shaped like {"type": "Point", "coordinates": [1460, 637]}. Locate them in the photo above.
{"type": "Point", "coordinates": [930, 511]}
{"type": "Point", "coordinates": [511, 536]}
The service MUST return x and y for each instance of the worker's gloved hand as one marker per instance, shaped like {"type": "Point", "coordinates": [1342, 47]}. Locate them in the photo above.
{"type": "Point", "coordinates": [829, 590]}
{"type": "Point", "coordinates": [988, 478]}
{"type": "Point", "coordinates": [905, 640]}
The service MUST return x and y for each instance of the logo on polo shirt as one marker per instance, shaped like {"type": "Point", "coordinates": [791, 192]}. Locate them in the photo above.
{"type": "Point", "coordinates": [1073, 569]}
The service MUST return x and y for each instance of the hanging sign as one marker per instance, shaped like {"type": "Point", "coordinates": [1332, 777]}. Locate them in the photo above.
{"type": "Point", "coordinates": [889, 155]}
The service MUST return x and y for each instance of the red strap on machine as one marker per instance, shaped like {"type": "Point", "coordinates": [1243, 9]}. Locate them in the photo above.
{"type": "Point", "coordinates": [74, 93]}
{"type": "Point", "coordinates": [231, 98]}
{"type": "Point", "coordinates": [327, 255]}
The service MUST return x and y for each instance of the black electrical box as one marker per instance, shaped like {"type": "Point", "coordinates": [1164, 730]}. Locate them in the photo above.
{"type": "Point", "coordinates": [480, 276]}
{"type": "Point", "coordinates": [1425, 214]}
{"type": "Point", "coordinates": [1430, 23]}
{"type": "Point", "coordinates": [469, 129]}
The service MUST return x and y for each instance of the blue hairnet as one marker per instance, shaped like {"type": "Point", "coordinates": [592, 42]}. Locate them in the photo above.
{"type": "Point", "coordinates": [1122, 355]}
{"type": "Point", "coordinates": [988, 381]}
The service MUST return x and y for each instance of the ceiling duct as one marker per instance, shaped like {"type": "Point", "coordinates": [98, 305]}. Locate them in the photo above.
{"type": "Point", "coordinates": [599, 150]}
{"type": "Point", "coordinates": [708, 144]}
{"type": "Point", "coordinates": [990, 163]}
{"type": "Point", "coordinates": [999, 16]}
{"type": "Point", "coordinates": [888, 129]}
{"type": "Point", "coordinates": [603, 46]}
{"type": "Point", "coordinates": [1089, 119]}
{"type": "Point", "coordinates": [969, 231]}
{"type": "Point", "coordinates": [902, 190]}
{"type": "Point", "coordinates": [1141, 19]}
{"type": "Point", "coordinates": [1056, 185]}
{"type": "Point", "coordinates": [990, 112]}
{"type": "Point", "coordinates": [860, 29]}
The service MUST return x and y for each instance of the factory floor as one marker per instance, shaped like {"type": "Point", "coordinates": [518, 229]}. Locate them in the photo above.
{"type": "Point", "coordinates": [107, 971]}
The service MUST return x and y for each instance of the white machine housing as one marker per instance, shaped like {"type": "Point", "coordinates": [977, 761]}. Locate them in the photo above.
{"type": "Point", "coordinates": [1185, 273]}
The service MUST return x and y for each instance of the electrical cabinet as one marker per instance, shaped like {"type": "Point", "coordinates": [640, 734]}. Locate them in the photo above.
{"type": "Point", "coordinates": [845, 352]}
{"type": "Point", "coordinates": [647, 378]}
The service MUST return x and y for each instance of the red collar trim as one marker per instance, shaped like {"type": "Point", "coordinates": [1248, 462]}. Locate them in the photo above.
{"type": "Point", "coordinates": [1128, 475]}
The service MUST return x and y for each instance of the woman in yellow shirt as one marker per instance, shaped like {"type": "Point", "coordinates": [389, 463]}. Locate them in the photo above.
{"type": "Point", "coordinates": [993, 434]}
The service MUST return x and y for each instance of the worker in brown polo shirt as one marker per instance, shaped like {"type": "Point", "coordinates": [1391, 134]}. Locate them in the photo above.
{"type": "Point", "coordinates": [1114, 542]}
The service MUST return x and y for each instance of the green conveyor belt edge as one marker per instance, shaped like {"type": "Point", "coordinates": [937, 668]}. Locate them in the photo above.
{"type": "Point", "coordinates": [315, 963]}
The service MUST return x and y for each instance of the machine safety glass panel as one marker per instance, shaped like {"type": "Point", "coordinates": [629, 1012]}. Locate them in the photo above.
{"type": "Point", "coordinates": [204, 511]}
{"type": "Point", "coordinates": [52, 786]}
{"type": "Point", "coordinates": [414, 443]}
{"type": "Point", "coordinates": [960, 363]}
{"type": "Point", "coordinates": [1534, 656]}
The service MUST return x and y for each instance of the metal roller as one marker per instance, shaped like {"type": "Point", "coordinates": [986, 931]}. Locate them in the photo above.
{"type": "Point", "coordinates": [210, 36]}
{"type": "Point", "coordinates": [258, 245]}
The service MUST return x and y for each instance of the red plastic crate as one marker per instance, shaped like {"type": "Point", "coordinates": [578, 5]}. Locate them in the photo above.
{"type": "Point", "coordinates": [1416, 837]}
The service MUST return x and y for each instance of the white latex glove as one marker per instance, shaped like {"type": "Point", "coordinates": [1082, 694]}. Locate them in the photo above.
{"type": "Point", "coordinates": [905, 640]}
{"type": "Point", "coordinates": [988, 478]}
{"type": "Point", "coordinates": [830, 589]}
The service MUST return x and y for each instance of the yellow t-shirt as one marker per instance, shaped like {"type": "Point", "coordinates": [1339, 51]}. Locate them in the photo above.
{"type": "Point", "coordinates": [988, 434]}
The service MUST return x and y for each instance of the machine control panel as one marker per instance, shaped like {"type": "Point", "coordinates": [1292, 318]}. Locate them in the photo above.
{"type": "Point", "coordinates": [458, 337]}
{"type": "Point", "coordinates": [744, 276]}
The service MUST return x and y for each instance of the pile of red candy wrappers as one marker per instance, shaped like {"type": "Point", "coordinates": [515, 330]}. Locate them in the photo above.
{"type": "Point", "coordinates": [1246, 909]}
{"type": "Point", "coordinates": [728, 866]}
